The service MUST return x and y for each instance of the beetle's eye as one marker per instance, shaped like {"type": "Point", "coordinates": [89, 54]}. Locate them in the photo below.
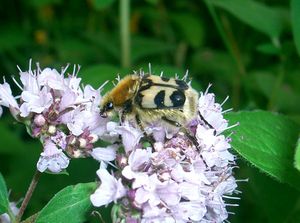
{"type": "Point", "coordinates": [109, 106]}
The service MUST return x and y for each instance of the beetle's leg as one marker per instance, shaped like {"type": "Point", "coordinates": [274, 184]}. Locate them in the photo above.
{"type": "Point", "coordinates": [206, 123]}
{"type": "Point", "coordinates": [171, 122]}
{"type": "Point", "coordinates": [149, 137]}
{"type": "Point", "coordinates": [123, 114]}
{"type": "Point", "coordinates": [191, 137]}
{"type": "Point", "coordinates": [138, 121]}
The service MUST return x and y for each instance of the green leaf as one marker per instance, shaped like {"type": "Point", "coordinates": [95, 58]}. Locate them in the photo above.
{"type": "Point", "coordinates": [12, 37]}
{"type": "Point", "coordinates": [267, 140]}
{"type": "Point", "coordinates": [261, 195]}
{"type": "Point", "coordinates": [144, 47]}
{"type": "Point", "coordinates": [11, 142]}
{"type": "Point", "coordinates": [263, 18]}
{"type": "Point", "coordinates": [191, 28]}
{"type": "Point", "coordinates": [265, 81]}
{"type": "Point", "coordinates": [69, 205]}
{"type": "Point", "coordinates": [102, 4]}
{"type": "Point", "coordinates": [4, 203]}
{"type": "Point", "coordinates": [268, 48]}
{"type": "Point", "coordinates": [295, 14]}
{"type": "Point", "coordinates": [43, 3]}
{"type": "Point", "coordinates": [297, 155]}
{"type": "Point", "coordinates": [97, 75]}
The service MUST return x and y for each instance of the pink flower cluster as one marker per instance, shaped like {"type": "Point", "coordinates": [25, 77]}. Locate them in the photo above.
{"type": "Point", "coordinates": [183, 176]}
{"type": "Point", "coordinates": [62, 114]}
{"type": "Point", "coordinates": [178, 178]}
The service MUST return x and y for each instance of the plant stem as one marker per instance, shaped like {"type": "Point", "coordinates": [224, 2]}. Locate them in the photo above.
{"type": "Point", "coordinates": [28, 195]}
{"type": "Point", "coordinates": [125, 34]}
{"type": "Point", "coordinates": [11, 215]}
{"type": "Point", "coordinates": [276, 87]}
{"type": "Point", "coordinates": [227, 36]}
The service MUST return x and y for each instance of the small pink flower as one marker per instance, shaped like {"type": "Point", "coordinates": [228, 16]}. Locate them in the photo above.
{"type": "Point", "coordinates": [105, 154]}
{"type": "Point", "coordinates": [130, 136]}
{"type": "Point", "coordinates": [52, 158]}
{"type": "Point", "coordinates": [189, 211]}
{"type": "Point", "coordinates": [36, 103]}
{"type": "Point", "coordinates": [110, 189]}
{"type": "Point", "coordinates": [51, 78]}
{"type": "Point", "coordinates": [6, 97]}
{"type": "Point", "coordinates": [138, 162]}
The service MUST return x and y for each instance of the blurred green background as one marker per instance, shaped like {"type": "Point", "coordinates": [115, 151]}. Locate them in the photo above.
{"type": "Point", "coordinates": [244, 48]}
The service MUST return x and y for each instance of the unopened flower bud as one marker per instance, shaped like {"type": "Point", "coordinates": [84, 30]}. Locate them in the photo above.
{"type": "Point", "coordinates": [39, 120]}
{"type": "Point", "coordinates": [93, 138]}
{"type": "Point", "coordinates": [76, 153]}
{"type": "Point", "coordinates": [122, 161]}
{"type": "Point", "coordinates": [82, 142]}
{"type": "Point", "coordinates": [51, 129]}
{"type": "Point", "coordinates": [71, 140]}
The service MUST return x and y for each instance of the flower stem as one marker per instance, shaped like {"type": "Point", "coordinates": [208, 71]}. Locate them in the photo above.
{"type": "Point", "coordinates": [124, 32]}
{"type": "Point", "coordinates": [28, 195]}
{"type": "Point", "coordinates": [11, 216]}
{"type": "Point", "coordinates": [224, 29]}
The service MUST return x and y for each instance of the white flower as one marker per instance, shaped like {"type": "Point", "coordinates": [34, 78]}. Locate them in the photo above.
{"type": "Point", "coordinates": [80, 120]}
{"type": "Point", "coordinates": [156, 215]}
{"type": "Point", "coordinates": [105, 154]}
{"type": "Point", "coordinates": [60, 139]}
{"type": "Point", "coordinates": [110, 134]}
{"type": "Point", "coordinates": [52, 158]}
{"type": "Point", "coordinates": [189, 211]}
{"type": "Point", "coordinates": [51, 78]}
{"type": "Point", "coordinates": [191, 191]}
{"type": "Point", "coordinates": [179, 178]}
{"type": "Point", "coordinates": [211, 111]}
{"type": "Point", "coordinates": [216, 210]}
{"type": "Point", "coordinates": [154, 192]}
{"type": "Point", "coordinates": [110, 189]}
{"type": "Point", "coordinates": [137, 162]}
{"type": "Point", "coordinates": [29, 81]}
{"type": "Point", "coordinates": [35, 102]}
{"type": "Point", "coordinates": [130, 136]}
{"type": "Point", "coordinates": [72, 82]}
{"type": "Point", "coordinates": [6, 97]}
{"type": "Point", "coordinates": [93, 96]}
{"type": "Point", "coordinates": [214, 147]}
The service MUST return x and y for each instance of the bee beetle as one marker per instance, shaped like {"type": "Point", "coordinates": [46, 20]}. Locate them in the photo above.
{"type": "Point", "coordinates": [151, 99]}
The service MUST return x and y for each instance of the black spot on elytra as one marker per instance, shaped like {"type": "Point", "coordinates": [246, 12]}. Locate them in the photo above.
{"type": "Point", "coordinates": [165, 79]}
{"type": "Point", "coordinates": [159, 99]}
{"type": "Point", "coordinates": [145, 84]}
{"type": "Point", "coordinates": [177, 98]}
{"type": "Point", "coordinates": [182, 84]}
